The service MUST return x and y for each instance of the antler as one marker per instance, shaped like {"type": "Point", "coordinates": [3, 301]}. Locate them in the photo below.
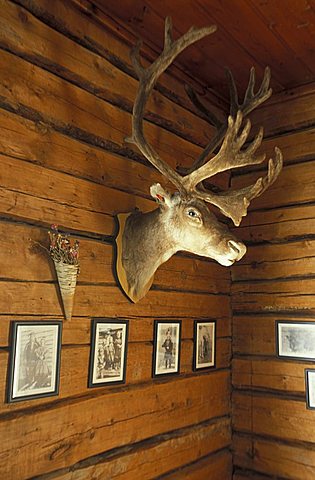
{"type": "Point", "coordinates": [230, 155]}
{"type": "Point", "coordinates": [250, 102]}
{"type": "Point", "coordinates": [147, 79]}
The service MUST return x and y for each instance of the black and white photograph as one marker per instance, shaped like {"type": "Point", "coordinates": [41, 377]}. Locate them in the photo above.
{"type": "Point", "coordinates": [296, 340]}
{"type": "Point", "coordinates": [204, 345]}
{"type": "Point", "coordinates": [34, 364]}
{"type": "Point", "coordinates": [166, 347]}
{"type": "Point", "coordinates": [310, 388]}
{"type": "Point", "coordinates": [108, 352]}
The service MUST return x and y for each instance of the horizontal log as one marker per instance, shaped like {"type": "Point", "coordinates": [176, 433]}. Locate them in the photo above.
{"type": "Point", "coordinates": [280, 418]}
{"type": "Point", "coordinates": [151, 460]}
{"type": "Point", "coordinates": [215, 467]}
{"type": "Point", "coordinates": [277, 375]}
{"type": "Point", "coordinates": [23, 207]}
{"type": "Point", "coordinates": [294, 185]}
{"type": "Point", "coordinates": [75, 367]}
{"type": "Point", "coordinates": [277, 459]}
{"type": "Point", "coordinates": [88, 427]}
{"type": "Point", "coordinates": [27, 298]}
{"type": "Point", "coordinates": [296, 146]}
{"type": "Point", "coordinates": [295, 259]}
{"type": "Point", "coordinates": [279, 224]}
{"type": "Point", "coordinates": [274, 296]}
{"type": "Point", "coordinates": [63, 190]}
{"type": "Point", "coordinates": [255, 335]}
{"type": "Point", "coordinates": [78, 113]}
{"type": "Point", "coordinates": [287, 111]}
{"type": "Point", "coordinates": [22, 258]}
{"type": "Point", "coordinates": [101, 35]}
{"type": "Point", "coordinates": [90, 71]}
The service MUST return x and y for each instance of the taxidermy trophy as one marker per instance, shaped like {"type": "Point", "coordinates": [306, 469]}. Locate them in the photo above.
{"type": "Point", "coordinates": [182, 220]}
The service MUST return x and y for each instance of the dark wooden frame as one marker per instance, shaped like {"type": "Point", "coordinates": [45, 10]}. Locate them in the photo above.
{"type": "Point", "coordinates": [278, 338]}
{"type": "Point", "coordinates": [307, 387]}
{"type": "Point", "coordinates": [94, 324]}
{"type": "Point", "coordinates": [14, 332]}
{"type": "Point", "coordinates": [214, 345]}
{"type": "Point", "coordinates": [155, 374]}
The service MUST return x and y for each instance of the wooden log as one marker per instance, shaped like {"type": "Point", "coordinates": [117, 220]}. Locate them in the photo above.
{"type": "Point", "coordinates": [91, 426]}
{"type": "Point", "coordinates": [279, 224]}
{"type": "Point", "coordinates": [274, 458]}
{"type": "Point", "coordinates": [255, 334]}
{"type": "Point", "coordinates": [28, 298]}
{"type": "Point", "coordinates": [38, 143]}
{"type": "Point", "coordinates": [294, 185]}
{"type": "Point", "coordinates": [271, 374]}
{"type": "Point", "coordinates": [81, 114]}
{"type": "Point", "coordinates": [75, 368]}
{"type": "Point", "coordinates": [77, 330]}
{"type": "Point", "coordinates": [22, 258]}
{"type": "Point", "coordinates": [295, 259]}
{"type": "Point", "coordinates": [102, 35]}
{"type": "Point", "coordinates": [287, 111]}
{"type": "Point", "coordinates": [296, 146]}
{"type": "Point", "coordinates": [90, 71]}
{"type": "Point", "coordinates": [156, 458]}
{"type": "Point", "coordinates": [215, 467]}
{"type": "Point", "coordinates": [274, 296]}
{"type": "Point", "coordinates": [277, 417]}
{"type": "Point", "coordinates": [21, 206]}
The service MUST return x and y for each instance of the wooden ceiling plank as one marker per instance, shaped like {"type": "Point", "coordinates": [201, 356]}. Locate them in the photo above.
{"type": "Point", "coordinates": [248, 30]}
{"type": "Point", "coordinates": [202, 59]}
{"type": "Point", "coordinates": [294, 26]}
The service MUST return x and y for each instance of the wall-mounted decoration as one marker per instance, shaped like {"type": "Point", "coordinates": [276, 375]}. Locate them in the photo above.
{"type": "Point", "coordinates": [310, 388]}
{"type": "Point", "coordinates": [166, 348]}
{"type": "Point", "coordinates": [66, 260]}
{"type": "Point", "coordinates": [34, 363]}
{"type": "Point", "coordinates": [182, 221]}
{"type": "Point", "coordinates": [296, 340]}
{"type": "Point", "coordinates": [109, 341]}
{"type": "Point", "coordinates": [204, 345]}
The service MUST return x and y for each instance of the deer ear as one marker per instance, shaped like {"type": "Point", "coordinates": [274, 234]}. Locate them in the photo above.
{"type": "Point", "coordinates": [162, 197]}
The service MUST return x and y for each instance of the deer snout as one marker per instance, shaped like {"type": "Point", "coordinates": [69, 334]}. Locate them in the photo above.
{"type": "Point", "coordinates": [237, 249]}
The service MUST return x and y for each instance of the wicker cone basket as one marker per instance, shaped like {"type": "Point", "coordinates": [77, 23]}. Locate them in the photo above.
{"type": "Point", "coordinates": [67, 279]}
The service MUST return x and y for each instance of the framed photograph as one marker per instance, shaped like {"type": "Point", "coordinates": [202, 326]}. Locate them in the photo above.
{"type": "Point", "coordinates": [296, 340]}
{"type": "Point", "coordinates": [204, 345]}
{"type": "Point", "coordinates": [109, 340]}
{"type": "Point", "coordinates": [34, 364]}
{"type": "Point", "coordinates": [166, 348]}
{"type": "Point", "coordinates": [310, 388]}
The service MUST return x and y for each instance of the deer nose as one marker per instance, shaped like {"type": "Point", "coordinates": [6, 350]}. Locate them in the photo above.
{"type": "Point", "coordinates": [237, 248]}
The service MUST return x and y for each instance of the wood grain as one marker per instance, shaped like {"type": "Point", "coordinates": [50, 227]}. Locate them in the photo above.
{"type": "Point", "coordinates": [91, 426]}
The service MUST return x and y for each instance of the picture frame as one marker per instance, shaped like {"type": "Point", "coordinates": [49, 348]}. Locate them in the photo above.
{"type": "Point", "coordinates": [108, 354]}
{"type": "Point", "coordinates": [204, 356]}
{"type": "Point", "coordinates": [295, 340]}
{"type": "Point", "coordinates": [310, 388]}
{"type": "Point", "coordinates": [34, 361]}
{"type": "Point", "coordinates": [166, 348]}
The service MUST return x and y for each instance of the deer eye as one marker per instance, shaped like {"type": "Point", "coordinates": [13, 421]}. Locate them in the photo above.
{"type": "Point", "coordinates": [194, 214]}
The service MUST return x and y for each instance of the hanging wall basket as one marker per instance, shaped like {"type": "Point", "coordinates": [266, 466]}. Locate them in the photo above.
{"type": "Point", "coordinates": [66, 260]}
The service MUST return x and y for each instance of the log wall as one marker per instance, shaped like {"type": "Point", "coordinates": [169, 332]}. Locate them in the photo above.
{"type": "Point", "coordinates": [273, 429]}
{"type": "Point", "coordinates": [66, 92]}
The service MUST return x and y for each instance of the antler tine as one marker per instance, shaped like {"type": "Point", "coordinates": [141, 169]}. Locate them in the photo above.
{"type": "Point", "coordinates": [147, 79]}
{"type": "Point", "coordinates": [234, 203]}
{"type": "Point", "coordinates": [251, 99]}
{"type": "Point", "coordinates": [230, 154]}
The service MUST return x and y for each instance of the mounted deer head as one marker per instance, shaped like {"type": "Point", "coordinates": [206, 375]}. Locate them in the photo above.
{"type": "Point", "coordinates": [182, 221]}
